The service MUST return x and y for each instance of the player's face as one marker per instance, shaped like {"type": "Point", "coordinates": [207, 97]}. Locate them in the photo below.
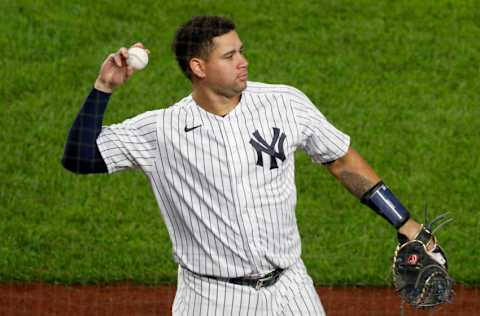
{"type": "Point", "coordinates": [226, 69]}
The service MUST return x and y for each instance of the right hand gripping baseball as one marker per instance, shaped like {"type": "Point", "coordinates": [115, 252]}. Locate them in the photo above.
{"type": "Point", "coordinates": [115, 71]}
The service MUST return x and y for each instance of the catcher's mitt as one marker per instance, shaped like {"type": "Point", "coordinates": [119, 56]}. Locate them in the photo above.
{"type": "Point", "coordinates": [421, 276]}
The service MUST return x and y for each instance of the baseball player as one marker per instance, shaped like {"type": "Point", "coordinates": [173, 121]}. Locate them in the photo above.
{"type": "Point", "coordinates": [221, 165]}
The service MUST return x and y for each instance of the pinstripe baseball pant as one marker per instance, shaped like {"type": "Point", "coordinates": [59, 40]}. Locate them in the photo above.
{"type": "Point", "coordinates": [293, 294]}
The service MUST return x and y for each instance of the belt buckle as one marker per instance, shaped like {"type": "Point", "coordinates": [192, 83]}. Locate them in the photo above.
{"type": "Point", "coordinates": [261, 282]}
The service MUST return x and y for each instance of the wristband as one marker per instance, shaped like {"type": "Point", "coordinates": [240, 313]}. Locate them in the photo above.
{"type": "Point", "coordinates": [383, 201]}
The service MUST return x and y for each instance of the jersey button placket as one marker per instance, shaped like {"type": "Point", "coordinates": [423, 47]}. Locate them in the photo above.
{"type": "Point", "coordinates": [228, 128]}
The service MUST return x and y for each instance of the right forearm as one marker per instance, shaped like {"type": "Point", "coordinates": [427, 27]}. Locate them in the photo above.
{"type": "Point", "coordinates": [81, 153]}
{"type": "Point", "coordinates": [102, 86]}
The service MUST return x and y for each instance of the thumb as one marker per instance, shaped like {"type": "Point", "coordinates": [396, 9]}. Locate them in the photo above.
{"type": "Point", "coordinates": [130, 71]}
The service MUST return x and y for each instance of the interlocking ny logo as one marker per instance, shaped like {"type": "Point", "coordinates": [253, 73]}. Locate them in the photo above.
{"type": "Point", "coordinates": [261, 145]}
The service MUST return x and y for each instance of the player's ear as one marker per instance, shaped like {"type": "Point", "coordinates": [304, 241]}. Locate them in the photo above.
{"type": "Point", "coordinates": [197, 66]}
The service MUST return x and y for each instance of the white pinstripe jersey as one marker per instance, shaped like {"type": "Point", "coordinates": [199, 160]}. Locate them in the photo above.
{"type": "Point", "coordinates": [228, 210]}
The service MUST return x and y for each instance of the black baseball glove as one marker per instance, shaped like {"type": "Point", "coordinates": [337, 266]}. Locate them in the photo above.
{"type": "Point", "coordinates": [421, 276]}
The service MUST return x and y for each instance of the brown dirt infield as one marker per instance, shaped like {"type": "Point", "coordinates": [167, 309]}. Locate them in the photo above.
{"type": "Point", "coordinates": [129, 299]}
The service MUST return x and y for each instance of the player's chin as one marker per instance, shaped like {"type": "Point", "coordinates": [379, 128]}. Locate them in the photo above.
{"type": "Point", "coordinates": [242, 82]}
{"type": "Point", "coordinates": [240, 87]}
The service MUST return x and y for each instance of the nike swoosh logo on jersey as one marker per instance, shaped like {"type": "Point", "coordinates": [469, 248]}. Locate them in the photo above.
{"type": "Point", "coordinates": [188, 129]}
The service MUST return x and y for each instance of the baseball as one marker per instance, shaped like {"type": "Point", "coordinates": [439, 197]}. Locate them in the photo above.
{"type": "Point", "coordinates": [137, 58]}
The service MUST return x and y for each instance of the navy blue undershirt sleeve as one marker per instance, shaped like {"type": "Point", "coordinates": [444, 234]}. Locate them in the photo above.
{"type": "Point", "coordinates": [81, 153]}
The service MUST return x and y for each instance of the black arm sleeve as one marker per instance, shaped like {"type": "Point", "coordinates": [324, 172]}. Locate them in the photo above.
{"type": "Point", "coordinates": [81, 153]}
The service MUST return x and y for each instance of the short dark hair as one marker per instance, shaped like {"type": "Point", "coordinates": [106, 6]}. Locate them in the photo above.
{"type": "Point", "coordinates": [195, 39]}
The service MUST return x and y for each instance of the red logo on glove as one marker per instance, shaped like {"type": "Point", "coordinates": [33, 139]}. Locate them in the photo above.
{"type": "Point", "coordinates": [412, 259]}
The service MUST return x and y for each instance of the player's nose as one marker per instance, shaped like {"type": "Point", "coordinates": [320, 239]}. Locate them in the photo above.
{"type": "Point", "coordinates": [243, 63]}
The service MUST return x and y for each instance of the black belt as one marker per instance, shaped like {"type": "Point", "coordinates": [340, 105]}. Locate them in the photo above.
{"type": "Point", "coordinates": [263, 281]}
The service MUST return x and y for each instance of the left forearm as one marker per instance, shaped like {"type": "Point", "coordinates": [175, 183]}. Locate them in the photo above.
{"type": "Point", "coordinates": [359, 178]}
{"type": "Point", "coordinates": [354, 173]}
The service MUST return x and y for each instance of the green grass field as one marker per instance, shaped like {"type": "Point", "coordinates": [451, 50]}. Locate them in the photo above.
{"type": "Point", "coordinates": [401, 77]}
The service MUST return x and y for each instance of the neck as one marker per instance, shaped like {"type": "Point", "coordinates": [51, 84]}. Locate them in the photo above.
{"type": "Point", "coordinates": [213, 102]}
